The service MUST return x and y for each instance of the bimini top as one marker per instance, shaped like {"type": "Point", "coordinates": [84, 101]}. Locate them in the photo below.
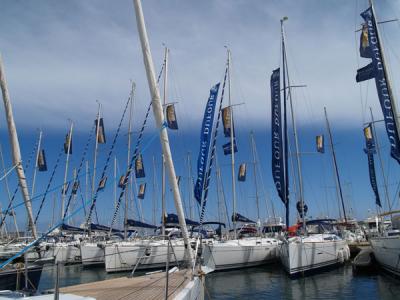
{"type": "Point", "coordinates": [134, 223]}
{"type": "Point", "coordinates": [173, 219]}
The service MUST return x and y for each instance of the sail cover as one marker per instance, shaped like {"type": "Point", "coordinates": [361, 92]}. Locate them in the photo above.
{"type": "Point", "coordinates": [135, 223]}
{"type": "Point", "coordinates": [240, 218]}
{"type": "Point", "coordinates": [370, 48]}
{"type": "Point", "coordinates": [205, 139]}
{"type": "Point", "coordinates": [278, 172]}
{"type": "Point", "coordinates": [370, 151]}
{"type": "Point", "coordinates": [173, 219]}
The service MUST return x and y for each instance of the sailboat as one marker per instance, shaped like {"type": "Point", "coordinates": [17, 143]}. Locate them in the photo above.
{"type": "Point", "coordinates": [386, 243]}
{"type": "Point", "coordinates": [313, 247]}
{"type": "Point", "coordinates": [237, 252]}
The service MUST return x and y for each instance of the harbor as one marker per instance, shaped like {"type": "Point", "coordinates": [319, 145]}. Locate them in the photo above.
{"type": "Point", "coordinates": [143, 163]}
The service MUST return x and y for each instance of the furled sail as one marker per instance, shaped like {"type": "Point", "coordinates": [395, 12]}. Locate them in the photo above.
{"type": "Point", "coordinates": [41, 161]}
{"type": "Point", "coordinates": [171, 117]}
{"type": "Point", "coordinates": [142, 190]}
{"type": "Point", "coordinates": [205, 139]}
{"type": "Point", "coordinates": [320, 143]}
{"type": "Point", "coordinates": [370, 48]}
{"type": "Point", "coordinates": [278, 168]}
{"type": "Point", "coordinates": [101, 137]}
{"type": "Point", "coordinates": [139, 168]}
{"type": "Point", "coordinates": [370, 151]}
{"type": "Point", "coordinates": [242, 172]}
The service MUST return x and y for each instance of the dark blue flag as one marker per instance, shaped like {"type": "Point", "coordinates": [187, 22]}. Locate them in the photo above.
{"type": "Point", "coordinates": [228, 148]}
{"type": "Point", "coordinates": [370, 150]}
{"type": "Point", "coordinates": [384, 94]}
{"type": "Point", "coordinates": [205, 138]}
{"type": "Point", "coordinates": [365, 73]}
{"type": "Point", "coordinates": [278, 172]}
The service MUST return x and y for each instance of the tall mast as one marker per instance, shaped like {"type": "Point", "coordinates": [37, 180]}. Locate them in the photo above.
{"type": "Point", "coordinates": [15, 150]}
{"type": "Point", "coordinates": [95, 150]}
{"type": "Point", "coordinates": [378, 151]}
{"type": "Point", "coordinates": [64, 189]}
{"type": "Point", "coordinates": [337, 178]}
{"type": "Point", "coordinates": [159, 116]}
{"type": "Point", "coordinates": [286, 144]}
{"type": "Point", "coordinates": [253, 150]}
{"type": "Point", "coordinates": [232, 145]}
{"type": "Point", "coordinates": [36, 163]}
{"type": "Point", "coordinates": [190, 186]}
{"type": "Point", "coordinates": [163, 187]}
{"type": "Point", "coordinates": [154, 192]}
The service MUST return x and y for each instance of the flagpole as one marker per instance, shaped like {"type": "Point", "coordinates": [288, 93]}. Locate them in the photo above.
{"type": "Point", "coordinates": [15, 149]}
{"type": "Point", "coordinates": [159, 116]}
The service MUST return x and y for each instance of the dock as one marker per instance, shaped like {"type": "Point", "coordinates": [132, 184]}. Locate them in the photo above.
{"type": "Point", "coordinates": [147, 287]}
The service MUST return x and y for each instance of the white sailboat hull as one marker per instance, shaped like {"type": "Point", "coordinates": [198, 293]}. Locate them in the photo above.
{"type": "Point", "coordinates": [387, 252]}
{"type": "Point", "coordinates": [92, 253]}
{"type": "Point", "coordinates": [125, 255]}
{"type": "Point", "coordinates": [302, 254]}
{"type": "Point", "coordinates": [233, 254]}
{"type": "Point", "coordinates": [62, 252]}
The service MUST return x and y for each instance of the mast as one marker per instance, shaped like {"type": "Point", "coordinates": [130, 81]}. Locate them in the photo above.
{"type": "Point", "coordinates": [154, 192]}
{"type": "Point", "coordinates": [388, 82]}
{"type": "Point", "coordinates": [378, 151]}
{"type": "Point", "coordinates": [36, 163]}
{"type": "Point", "coordinates": [64, 190]}
{"type": "Point", "coordinates": [163, 187]}
{"type": "Point", "coordinates": [253, 150]}
{"type": "Point", "coordinates": [190, 186]}
{"type": "Point", "coordinates": [232, 145]}
{"type": "Point", "coordinates": [337, 178]}
{"type": "Point", "coordinates": [95, 149]}
{"type": "Point", "coordinates": [15, 149]}
{"type": "Point", "coordinates": [115, 182]}
{"type": "Point", "coordinates": [159, 116]}
{"type": "Point", "coordinates": [285, 140]}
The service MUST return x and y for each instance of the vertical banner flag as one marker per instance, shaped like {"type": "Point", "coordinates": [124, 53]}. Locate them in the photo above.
{"type": "Point", "coordinates": [242, 172]}
{"type": "Point", "coordinates": [139, 168]}
{"type": "Point", "coordinates": [41, 163]}
{"type": "Point", "coordinates": [370, 150]}
{"type": "Point", "coordinates": [226, 121]}
{"type": "Point", "coordinates": [142, 190]}
{"type": "Point", "coordinates": [171, 117]}
{"type": "Point", "coordinates": [369, 48]}
{"type": "Point", "coordinates": [68, 144]}
{"type": "Point", "coordinates": [205, 138]}
{"type": "Point", "coordinates": [101, 138]}
{"type": "Point", "coordinates": [278, 172]}
{"type": "Point", "coordinates": [320, 144]}
{"type": "Point", "coordinates": [228, 148]}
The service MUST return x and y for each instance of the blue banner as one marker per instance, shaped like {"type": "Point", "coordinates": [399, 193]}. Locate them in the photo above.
{"type": "Point", "coordinates": [205, 138]}
{"type": "Point", "coordinates": [278, 172]}
{"type": "Point", "coordinates": [370, 151]}
{"type": "Point", "coordinates": [385, 97]}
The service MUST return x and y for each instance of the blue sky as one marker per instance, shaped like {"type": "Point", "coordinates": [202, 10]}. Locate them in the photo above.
{"type": "Point", "coordinates": [60, 57]}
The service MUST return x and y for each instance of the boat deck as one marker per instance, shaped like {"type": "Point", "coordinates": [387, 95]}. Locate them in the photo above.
{"type": "Point", "coordinates": [147, 287]}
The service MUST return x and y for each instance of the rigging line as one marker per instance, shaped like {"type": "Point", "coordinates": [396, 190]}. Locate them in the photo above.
{"type": "Point", "coordinates": [75, 180]}
{"type": "Point", "coordinates": [17, 187]}
{"type": "Point", "coordinates": [128, 173]}
{"type": "Point", "coordinates": [107, 162]}
{"type": "Point", "coordinates": [49, 184]}
{"type": "Point", "coordinates": [213, 147]}
{"type": "Point", "coordinates": [6, 173]}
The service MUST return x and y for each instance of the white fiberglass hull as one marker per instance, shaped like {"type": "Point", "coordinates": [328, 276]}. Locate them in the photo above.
{"type": "Point", "coordinates": [62, 252]}
{"type": "Point", "coordinates": [233, 254]}
{"type": "Point", "coordinates": [92, 253]}
{"type": "Point", "coordinates": [302, 254]}
{"type": "Point", "coordinates": [125, 255]}
{"type": "Point", "coordinates": [387, 252]}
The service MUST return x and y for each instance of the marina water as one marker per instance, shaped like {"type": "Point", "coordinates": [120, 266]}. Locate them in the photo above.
{"type": "Point", "coordinates": [266, 282]}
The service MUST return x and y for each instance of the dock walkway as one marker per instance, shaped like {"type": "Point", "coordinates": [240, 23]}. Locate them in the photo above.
{"type": "Point", "coordinates": [147, 287]}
